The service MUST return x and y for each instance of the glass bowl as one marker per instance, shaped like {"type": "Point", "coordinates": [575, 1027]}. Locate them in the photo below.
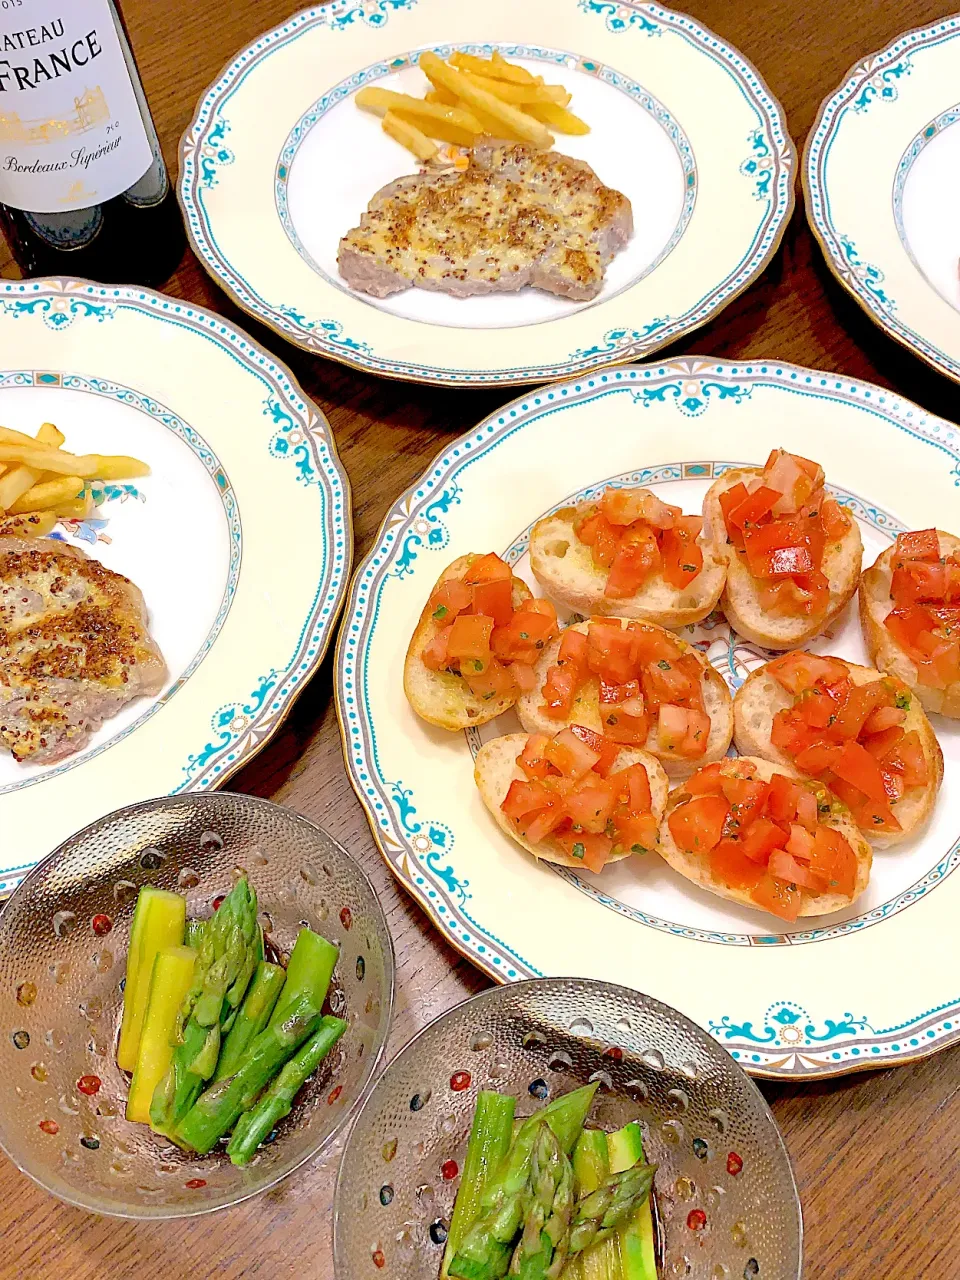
{"type": "Point", "coordinates": [63, 942]}
{"type": "Point", "coordinates": [726, 1198]}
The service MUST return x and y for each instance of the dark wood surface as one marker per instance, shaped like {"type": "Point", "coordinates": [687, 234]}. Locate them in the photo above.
{"type": "Point", "coordinates": [875, 1155]}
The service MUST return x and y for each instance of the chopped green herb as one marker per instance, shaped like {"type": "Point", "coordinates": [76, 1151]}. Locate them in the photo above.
{"type": "Point", "coordinates": [524, 635]}
{"type": "Point", "coordinates": [579, 850]}
{"type": "Point", "coordinates": [663, 664]}
{"type": "Point", "coordinates": [637, 848]}
{"type": "Point", "coordinates": [611, 719]}
{"type": "Point", "coordinates": [441, 611]}
{"type": "Point", "coordinates": [689, 568]}
{"type": "Point", "coordinates": [903, 701]}
{"type": "Point", "coordinates": [611, 829]}
{"type": "Point", "coordinates": [477, 664]}
{"type": "Point", "coordinates": [574, 619]}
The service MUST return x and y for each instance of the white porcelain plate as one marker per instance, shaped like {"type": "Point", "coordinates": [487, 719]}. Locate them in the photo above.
{"type": "Point", "coordinates": [239, 538]}
{"type": "Point", "coordinates": [279, 163]}
{"type": "Point", "coordinates": [881, 173]}
{"type": "Point", "coordinates": [875, 985]}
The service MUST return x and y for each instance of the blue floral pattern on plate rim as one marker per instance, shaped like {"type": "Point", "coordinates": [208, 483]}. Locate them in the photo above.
{"type": "Point", "coordinates": [771, 169]}
{"type": "Point", "coordinates": [421, 851]}
{"type": "Point", "coordinates": [309, 444]}
{"type": "Point", "coordinates": [378, 70]}
{"type": "Point", "coordinates": [870, 85]}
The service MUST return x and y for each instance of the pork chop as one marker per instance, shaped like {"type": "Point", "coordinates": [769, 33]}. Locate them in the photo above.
{"type": "Point", "coordinates": [513, 217]}
{"type": "Point", "coordinates": [74, 648]}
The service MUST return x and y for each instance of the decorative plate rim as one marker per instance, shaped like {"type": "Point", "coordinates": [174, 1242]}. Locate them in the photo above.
{"type": "Point", "coordinates": [932, 355]}
{"type": "Point", "coordinates": [643, 347]}
{"type": "Point", "coordinates": [272, 364]}
{"type": "Point", "coordinates": [782, 1011]}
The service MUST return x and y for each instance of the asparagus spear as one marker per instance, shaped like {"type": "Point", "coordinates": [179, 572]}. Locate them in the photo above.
{"type": "Point", "coordinates": [490, 1138]}
{"type": "Point", "coordinates": [217, 1109]}
{"type": "Point", "coordinates": [236, 992]}
{"type": "Point", "coordinates": [228, 935]}
{"type": "Point", "coordinates": [547, 1219]}
{"type": "Point", "coordinates": [309, 971]}
{"type": "Point", "coordinates": [598, 1216]}
{"type": "Point", "coordinates": [275, 1103]}
{"type": "Point", "coordinates": [193, 933]}
{"type": "Point", "coordinates": [158, 921]}
{"type": "Point", "coordinates": [591, 1167]}
{"type": "Point", "coordinates": [565, 1115]}
{"type": "Point", "coordinates": [252, 1016]}
{"type": "Point", "coordinates": [171, 979]}
{"type": "Point", "coordinates": [637, 1254]}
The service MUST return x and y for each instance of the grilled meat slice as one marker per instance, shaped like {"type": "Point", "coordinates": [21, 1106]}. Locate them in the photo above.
{"type": "Point", "coordinates": [513, 217]}
{"type": "Point", "coordinates": [74, 648]}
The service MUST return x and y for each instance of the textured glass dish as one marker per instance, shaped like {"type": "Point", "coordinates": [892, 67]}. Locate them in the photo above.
{"type": "Point", "coordinates": [63, 944]}
{"type": "Point", "coordinates": [726, 1196]}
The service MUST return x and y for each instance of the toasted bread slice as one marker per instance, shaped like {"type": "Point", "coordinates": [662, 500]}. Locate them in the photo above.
{"type": "Point", "coordinates": [760, 697]}
{"type": "Point", "coordinates": [697, 869]}
{"type": "Point", "coordinates": [586, 708]}
{"type": "Point", "coordinates": [564, 567]}
{"type": "Point", "coordinates": [740, 601]}
{"type": "Point", "coordinates": [875, 604]}
{"type": "Point", "coordinates": [441, 697]}
{"type": "Point", "coordinates": [496, 767]}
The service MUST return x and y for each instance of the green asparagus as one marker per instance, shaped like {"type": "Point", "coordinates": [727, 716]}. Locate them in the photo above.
{"type": "Point", "coordinates": [550, 1205]}
{"type": "Point", "coordinates": [565, 1115]}
{"type": "Point", "coordinates": [597, 1216]}
{"type": "Point", "coordinates": [256, 1124]}
{"type": "Point", "coordinates": [591, 1163]}
{"type": "Point", "coordinates": [227, 937]}
{"type": "Point", "coordinates": [217, 1109]}
{"type": "Point", "coordinates": [193, 933]}
{"type": "Point", "coordinates": [490, 1138]}
{"type": "Point", "coordinates": [252, 1016]}
{"type": "Point", "coordinates": [309, 971]}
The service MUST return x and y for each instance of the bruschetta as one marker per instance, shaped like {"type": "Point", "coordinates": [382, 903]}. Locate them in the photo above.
{"type": "Point", "coordinates": [792, 554]}
{"type": "Point", "coordinates": [753, 832]}
{"type": "Point", "coordinates": [573, 798]}
{"type": "Point", "coordinates": [475, 646]}
{"type": "Point", "coordinates": [860, 732]}
{"type": "Point", "coordinates": [636, 683]}
{"type": "Point", "coordinates": [629, 554]}
{"type": "Point", "coordinates": [910, 616]}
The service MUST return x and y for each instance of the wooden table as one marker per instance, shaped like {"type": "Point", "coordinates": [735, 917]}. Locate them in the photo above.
{"type": "Point", "coordinates": [874, 1156]}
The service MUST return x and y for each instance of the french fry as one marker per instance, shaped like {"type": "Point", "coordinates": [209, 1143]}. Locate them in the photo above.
{"type": "Point", "coordinates": [9, 436]}
{"type": "Point", "coordinates": [77, 509]}
{"type": "Point", "coordinates": [48, 434]}
{"type": "Point", "coordinates": [90, 466]}
{"type": "Point", "coordinates": [508, 117]}
{"type": "Point", "coordinates": [48, 493]}
{"type": "Point", "coordinates": [383, 100]}
{"type": "Point", "coordinates": [409, 136]}
{"type": "Point", "coordinates": [497, 67]}
{"type": "Point", "coordinates": [33, 524]}
{"type": "Point", "coordinates": [519, 94]}
{"type": "Point", "coordinates": [558, 118]}
{"type": "Point", "coordinates": [441, 96]}
{"type": "Point", "coordinates": [17, 480]}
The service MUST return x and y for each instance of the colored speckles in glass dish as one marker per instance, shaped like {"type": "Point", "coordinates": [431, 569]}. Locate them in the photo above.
{"type": "Point", "coordinates": [389, 1149]}
{"type": "Point", "coordinates": [89, 1085]}
{"type": "Point", "coordinates": [150, 859]}
{"type": "Point", "coordinates": [334, 1094]}
{"type": "Point", "coordinates": [696, 1219]}
{"type": "Point", "coordinates": [26, 994]}
{"type": "Point", "coordinates": [420, 1100]}
{"type": "Point", "coordinates": [379, 1261]}
{"type": "Point", "coordinates": [460, 1080]}
{"type": "Point", "coordinates": [700, 1149]}
{"type": "Point", "coordinates": [21, 1039]}
{"type": "Point", "coordinates": [538, 1088]}
{"type": "Point", "coordinates": [217, 900]}
{"type": "Point", "coordinates": [346, 917]}
{"type": "Point", "coordinates": [101, 925]}
{"type": "Point", "coordinates": [751, 1269]}
{"type": "Point", "coordinates": [614, 1052]}
{"type": "Point", "coordinates": [685, 1188]}
{"type": "Point", "coordinates": [361, 968]}
{"type": "Point", "coordinates": [449, 1170]}
{"type": "Point", "coordinates": [50, 1127]}
{"type": "Point", "coordinates": [439, 1230]}
{"type": "Point", "coordinates": [194, 1184]}
{"type": "Point", "coordinates": [738, 1234]}
{"type": "Point", "coordinates": [386, 1194]}
{"type": "Point", "coordinates": [39, 1072]}
{"type": "Point", "coordinates": [91, 1144]}
{"type": "Point", "coordinates": [734, 1164]}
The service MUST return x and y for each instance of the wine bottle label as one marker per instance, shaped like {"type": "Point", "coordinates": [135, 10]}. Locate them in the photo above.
{"type": "Point", "coordinates": [71, 132]}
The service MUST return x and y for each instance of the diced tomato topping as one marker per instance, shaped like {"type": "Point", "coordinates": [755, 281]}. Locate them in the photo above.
{"type": "Point", "coordinates": [754, 507]}
{"type": "Point", "coordinates": [637, 833]}
{"type": "Point", "coordinates": [908, 760]}
{"type": "Point", "coordinates": [469, 637]}
{"type": "Point", "coordinates": [817, 758]}
{"type": "Point", "coordinates": [495, 600]}
{"type": "Point", "coordinates": [732, 867]}
{"type": "Point", "coordinates": [784, 866]}
{"type": "Point", "coordinates": [594, 850]}
{"type": "Point", "coordinates": [760, 839]}
{"type": "Point", "coordinates": [682, 556]}
{"type": "Point", "coordinates": [607, 752]}
{"type": "Point", "coordinates": [925, 589]}
{"type": "Point", "coordinates": [782, 798]}
{"type": "Point", "coordinates": [591, 807]}
{"type": "Point", "coordinates": [836, 522]}
{"type": "Point", "coordinates": [800, 843]}
{"type": "Point", "coordinates": [526, 635]}
{"type": "Point", "coordinates": [799, 671]}
{"type": "Point", "coordinates": [779, 898]}
{"type": "Point", "coordinates": [531, 759]}
{"type": "Point", "coordinates": [707, 781]}
{"type": "Point", "coordinates": [435, 653]}
{"type": "Point", "coordinates": [449, 599]}
{"type": "Point", "coordinates": [488, 568]}
{"type": "Point", "coordinates": [526, 797]}
{"type": "Point", "coordinates": [636, 784]}
{"type": "Point", "coordinates": [834, 861]}
{"type": "Point", "coordinates": [881, 744]}
{"type": "Point", "coordinates": [633, 535]}
{"type": "Point", "coordinates": [638, 558]}
{"type": "Point", "coordinates": [623, 712]}
{"type": "Point", "coordinates": [628, 506]}
{"type": "Point", "coordinates": [883, 718]}
{"type": "Point", "coordinates": [698, 825]}
{"type": "Point", "coordinates": [921, 545]}
{"type": "Point", "coordinates": [492, 680]}
{"type": "Point", "coordinates": [601, 536]}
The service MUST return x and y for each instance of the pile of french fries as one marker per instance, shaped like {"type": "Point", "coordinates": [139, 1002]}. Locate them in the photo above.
{"type": "Point", "coordinates": [471, 97]}
{"type": "Point", "coordinates": [40, 483]}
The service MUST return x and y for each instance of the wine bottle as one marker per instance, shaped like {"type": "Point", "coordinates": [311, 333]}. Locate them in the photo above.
{"type": "Point", "coordinates": [84, 190]}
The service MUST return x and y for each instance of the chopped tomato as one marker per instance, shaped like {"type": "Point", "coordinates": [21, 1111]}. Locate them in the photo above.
{"type": "Point", "coordinates": [800, 671]}
{"type": "Point", "coordinates": [682, 731]}
{"type": "Point", "coordinates": [593, 850]}
{"type": "Point", "coordinates": [434, 654]}
{"type": "Point", "coordinates": [698, 825]}
{"type": "Point", "coordinates": [682, 557]}
{"type": "Point", "coordinates": [677, 680]}
{"type": "Point", "coordinates": [469, 637]}
{"type": "Point", "coordinates": [917, 582]}
{"type": "Point", "coordinates": [760, 839]}
{"type": "Point", "coordinates": [782, 798]}
{"type": "Point", "coordinates": [807, 809]}
{"type": "Point", "coordinates": [836, 522]}
{"type": "Point", "coordinates": [524, 798]}
{"type": "Point", "coordinates": [495, 600]}
{"type": "Point", "coordinates": [817, 758]}
{"type": "Point", "coordinates": [610, 651]}
{"type": "Point", "coordinates": [636, 832]}
{"type": "Point", "coordinates": [783, 866]}
{"type": "Point", "coordinates": [857, 766]}
{"type": "Point", "coordinates": [731, 866]}
{"type": "Point", "coordinates": [730, 500]}
{"type": "Point", "coordinates": [526, 635]}
{"type": "Point", "coordinates": [637, 785]}
{"type": "Point", "coordinates": [883, 718]}
{"type": "Point", "coordinates": [879, 744]}
{"type": "Point", "coordinates": [627, 506]}
{"type": "Point", "coordinates": [794, 477]}
{"type": "Point", "coordinates": [779, 549]}
{"type": "Point", "coordinates": [623, 713]}
{"type": "Point", "coordinates": [608, 752]}
{"type": "Point", "coordinates": [800, 844]}
{"type": "Point", "coordinates": [449, 599]}
{"type": "Point", "coordinates": [493, 680]}
{"type": "Point", "coordinates": [488, 568]}
{"type": "Point", "coordinates": [922, 545]}
{"type": "Point", "coordinates": [708, 780]}
{"type": "Point", "coordinates": [780, 899]}
{"type": "Point", "coordinates": [637, 559]}
{"type": "Point", "coordinates": [531, 759]}
{"type": "Point", "coordinates": [754, 507]}
{"type": "Point", "coordinates": [600, 535]}
{"type": "Point", "coordinates": [908, 759]}
{"type": "Point", "coordinates": [834, 861]}
{"type": "Point", "coordinates": [591, 806]}
{"type": "Point", "coordinates": [524, 676]}
{"type": "Point", "coordinates": [578, 756]}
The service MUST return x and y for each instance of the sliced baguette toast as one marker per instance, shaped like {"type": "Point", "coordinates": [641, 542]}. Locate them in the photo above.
{"type": "Point", "coordinates": [760, 697]}
{"type": "Point", "coordinates": [586, 708]}
{"type": "Point", "coordinates": [441, 697]}
{"type": "Point", "coordinates": [564, 567]}
{"type": "Point", "coordinates": [875, 604]}
{"type": "Point", "coordinates": [496, 767]}
{"type": "Point", "coordinates": [740, 601]}
{"type": "Point", "coordinates": [697, 869]}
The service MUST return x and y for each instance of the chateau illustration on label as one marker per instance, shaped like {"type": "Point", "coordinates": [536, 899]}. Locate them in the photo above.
{"type": "Point", "coordinates": [89, 110]}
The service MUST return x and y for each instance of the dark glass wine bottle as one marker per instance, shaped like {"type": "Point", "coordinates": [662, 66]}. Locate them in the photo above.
{"type": "Point", "coordinates": [84, 190]}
